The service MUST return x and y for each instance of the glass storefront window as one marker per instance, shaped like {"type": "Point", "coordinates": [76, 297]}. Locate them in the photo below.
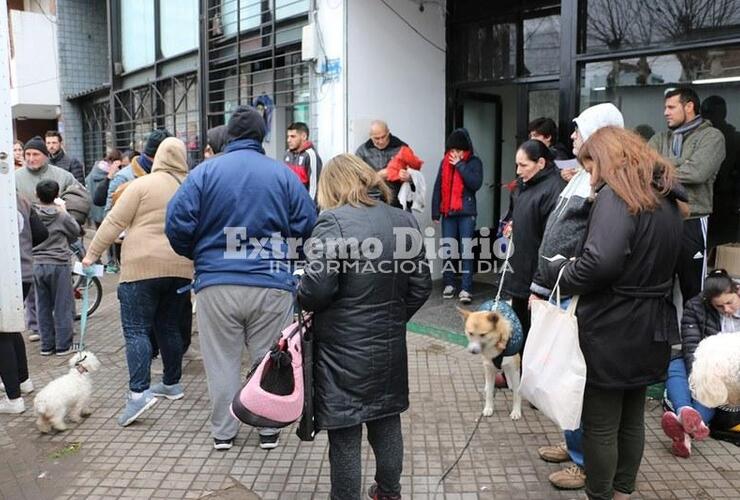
{"type": "Point", "coordinates": [541, 46]}
{"type": "Point", "coordinates": [484, 52]}
{"type": "Point", "coordinates": [249, 12]}
{"type": "Point", "coordinates": [636, 85]}
{"type": "Point", "coordinates": [289, 8]}
{"type": "Point", "coordinates": [179, 26]}
{"type": "Point", "coordinates": [624, 24]}
{"type": "Point", "coordinates": [544, 103]}
{"type": "Point", "coordinates": [137, 33]}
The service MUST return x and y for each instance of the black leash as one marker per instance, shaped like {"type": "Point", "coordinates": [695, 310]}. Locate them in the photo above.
{"type": "Point", "coordinates": [462, 452]}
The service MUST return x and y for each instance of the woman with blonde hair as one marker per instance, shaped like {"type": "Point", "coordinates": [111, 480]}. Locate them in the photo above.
{"type": "Point", "coordinates": [626, 320]}
{"type": "Point", "coordinates": [362, 292]}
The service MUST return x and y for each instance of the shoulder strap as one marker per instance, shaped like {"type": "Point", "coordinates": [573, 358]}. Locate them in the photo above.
{"type": "Point", "coordinates": [179, 182]}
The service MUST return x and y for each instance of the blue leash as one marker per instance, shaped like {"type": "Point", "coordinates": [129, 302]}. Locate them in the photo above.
{"type": "Point", "coordinates": [89, 273]}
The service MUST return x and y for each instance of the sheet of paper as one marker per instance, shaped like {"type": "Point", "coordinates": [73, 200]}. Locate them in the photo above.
{"type": "Point", "coordinates": [564, 164]}
{"type": "Point", "coordinates": [97, 268]}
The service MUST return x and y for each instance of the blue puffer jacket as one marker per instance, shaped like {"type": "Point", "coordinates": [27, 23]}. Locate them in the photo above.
{"type": "Point", "coordinates": [472, 176]}
{"type": "Point", "coordinates": [252, 195]}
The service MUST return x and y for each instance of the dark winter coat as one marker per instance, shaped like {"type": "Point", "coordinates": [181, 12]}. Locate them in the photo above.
{"type": "Point", "coordinates": [624, 277]}
{"type": "Point", "coordinates": [531, 204]}
{"type": "Point", "coordinates": [241, 188]}
{"type": "Point", "coordinates": [702, 154]}
{"type": "Point", "coordinates": [96, 183]}
{"type": "Point", "coordinates": [71, 165]}
{"type": "Point", "coordinates": [379, 158]}
{"type": "Point", "coordinates": [360, 361]}
{"type": "Point", "coordinates": [700, 320]}
{"type": "Point", "coordinates": [472, 176]}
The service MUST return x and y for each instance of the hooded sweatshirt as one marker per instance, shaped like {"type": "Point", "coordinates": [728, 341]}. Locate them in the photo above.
{"type": "Point", "coordinates": [27, 179]}
{"type": "Point", "coordinates": [140, 211]}
{"type": "Point", "coordinates": [566, 225]}
{"type": "Point", "coordinates": [63, 231]}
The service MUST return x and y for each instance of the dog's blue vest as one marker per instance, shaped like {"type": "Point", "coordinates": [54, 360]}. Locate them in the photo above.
{"type": "Point", "coordinates": [516, 341]}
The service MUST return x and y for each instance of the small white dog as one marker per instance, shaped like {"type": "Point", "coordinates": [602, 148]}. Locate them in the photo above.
{"type": "Point", "coordinates": [715, 374]}
{"type": "Point", "coordinates": [67, 396]}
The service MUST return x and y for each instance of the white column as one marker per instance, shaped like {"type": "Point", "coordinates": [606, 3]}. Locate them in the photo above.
{"type": "Point", "coordinates": [11, 294]}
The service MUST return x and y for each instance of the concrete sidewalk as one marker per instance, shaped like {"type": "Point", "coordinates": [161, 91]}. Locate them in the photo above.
{"type": "Point", "coordinates": [169, 453]}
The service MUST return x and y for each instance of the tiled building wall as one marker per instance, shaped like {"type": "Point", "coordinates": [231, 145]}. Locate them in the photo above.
{"type": "Point", "coordinates": [83, 52]}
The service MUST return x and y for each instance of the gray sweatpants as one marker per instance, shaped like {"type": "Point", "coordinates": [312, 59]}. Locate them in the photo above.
{"type": "Point", "coordinates": [229, 318]}
{"type": "Point", "coordinates": [55, 305]}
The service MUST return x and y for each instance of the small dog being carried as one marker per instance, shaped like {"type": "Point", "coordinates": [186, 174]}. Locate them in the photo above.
{"type": "Point", "coordinates": [66, 398]}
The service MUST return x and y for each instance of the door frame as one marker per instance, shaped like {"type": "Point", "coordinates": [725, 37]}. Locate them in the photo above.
{"type": "Point", "coordinates": [457, 122]}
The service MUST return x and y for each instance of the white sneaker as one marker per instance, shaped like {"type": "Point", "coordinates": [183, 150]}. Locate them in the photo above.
{"type": "Point", "coordinates": [34, 337]}
{"type": "Point", "coordinates": [448, 292]}
{"type": "Point", "coordinates": [12, 405]}
{"type": "Point", "coordinates": [26, 386]}
{"type": "Point", "coordinates": [465, 297]}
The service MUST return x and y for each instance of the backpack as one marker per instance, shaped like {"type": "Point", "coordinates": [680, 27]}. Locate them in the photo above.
{"type": "Point", "coordinates": [77, 202]}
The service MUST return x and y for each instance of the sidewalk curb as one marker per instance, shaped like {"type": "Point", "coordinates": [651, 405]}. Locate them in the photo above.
{"type": "Point", "coordinates": [438, 333]}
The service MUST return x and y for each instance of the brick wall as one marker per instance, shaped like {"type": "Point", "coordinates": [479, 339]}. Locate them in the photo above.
{"type": "Point", "coordinates": [82, 37]}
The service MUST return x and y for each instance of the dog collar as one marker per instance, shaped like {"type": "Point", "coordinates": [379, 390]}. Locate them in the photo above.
{"type": "Point", "coordinates": [81, 369]}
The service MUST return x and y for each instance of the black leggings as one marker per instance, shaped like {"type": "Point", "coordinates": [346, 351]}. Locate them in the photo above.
{"type": "Point", "coordinates": [613, 423]}
{"type": "Point", "coordinates": [345, 458]}
{"type": "Point", "coordinates": [13, 362]}
{"type": "Point", "coordinates": [521, 309]}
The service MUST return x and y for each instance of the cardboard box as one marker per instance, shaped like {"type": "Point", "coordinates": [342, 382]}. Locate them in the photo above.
{"type": "Point", "coordinates": [728, 257]}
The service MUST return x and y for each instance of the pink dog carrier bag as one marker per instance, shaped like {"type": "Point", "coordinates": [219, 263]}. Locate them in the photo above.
{"type": "Point", "coordinates": [273, 394]}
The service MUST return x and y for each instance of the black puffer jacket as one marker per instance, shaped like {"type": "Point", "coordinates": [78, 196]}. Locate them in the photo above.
{"type": "Point", "coordinates": [360, 365]}
{"type": "Point", "coordinates": [700, 320]}
{"type": "Point", "coordinates": [531, 204]}
{"type": "Point", "coordinates": [624, 277]}
{"type": "Point", "coordinates": [379, 158]}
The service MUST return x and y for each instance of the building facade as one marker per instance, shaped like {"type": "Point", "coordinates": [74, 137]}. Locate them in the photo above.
{"type": "Point", "coordinates": [424, 66]}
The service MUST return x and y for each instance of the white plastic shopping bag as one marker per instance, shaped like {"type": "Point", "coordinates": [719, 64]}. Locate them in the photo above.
{"type": "Point", "coordinates": [553, 369]}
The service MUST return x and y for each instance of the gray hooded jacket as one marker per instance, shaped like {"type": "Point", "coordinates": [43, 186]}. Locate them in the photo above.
{"type": "Point", "coordinates": [63, 230]}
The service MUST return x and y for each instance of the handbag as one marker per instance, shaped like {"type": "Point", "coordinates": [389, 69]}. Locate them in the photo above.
{"type": "Point", "coordinates": [306, 430]}
{"type": "Point", "coordinates": [273, 394]}
{"type": "Point", "coordinates": [553, 366]}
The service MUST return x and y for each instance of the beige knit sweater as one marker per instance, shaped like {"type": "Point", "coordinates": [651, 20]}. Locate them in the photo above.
{"type": "Point", "coordinates": [140, 211]}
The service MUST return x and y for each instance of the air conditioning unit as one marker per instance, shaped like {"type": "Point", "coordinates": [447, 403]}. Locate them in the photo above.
{"type": "Point", "coordinates": [309, 43]}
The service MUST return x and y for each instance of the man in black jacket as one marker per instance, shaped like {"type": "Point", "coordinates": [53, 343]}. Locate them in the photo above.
{"type": "Point", "coordinates": [380, 149]}
{"type": "Point", "coordinates": [59, 158]}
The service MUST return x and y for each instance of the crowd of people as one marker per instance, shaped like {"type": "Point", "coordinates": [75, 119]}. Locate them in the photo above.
{"type": "Point", "coordinates": [606, 228]}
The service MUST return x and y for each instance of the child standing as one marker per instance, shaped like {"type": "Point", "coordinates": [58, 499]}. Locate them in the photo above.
{"type": "Point", "coordinates": [52, 274]}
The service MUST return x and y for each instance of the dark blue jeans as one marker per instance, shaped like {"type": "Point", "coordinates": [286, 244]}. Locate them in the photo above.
{"type": "Point", "coordinates": [146, 306]}
{"type": "Point", "coordinates": [459, 228]}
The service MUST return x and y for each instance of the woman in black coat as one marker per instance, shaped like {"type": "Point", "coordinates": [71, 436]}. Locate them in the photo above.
{"type": "Point", "coordinates": [538, 186]}
{"type": "Point", "coordinates": [362, 294]}
{"type": "Point", "coordinates": [715, 310]}
{"type": "Point", "coordinates": [626, 319]}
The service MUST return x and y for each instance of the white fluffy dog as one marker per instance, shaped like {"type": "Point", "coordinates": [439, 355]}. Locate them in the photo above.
{"type": "Point", "coordinates": [715, 374]}
{"type": "Point", "coordinates": [67, 396]}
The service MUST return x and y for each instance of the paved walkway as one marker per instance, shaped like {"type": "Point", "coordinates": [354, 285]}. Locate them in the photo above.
{"type": "Point", "coordinates": [168, 454]}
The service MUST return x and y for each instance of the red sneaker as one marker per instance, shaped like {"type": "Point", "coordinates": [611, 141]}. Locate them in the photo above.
{"type": "Point", "coordinates": [692, 423]}
{"type": "Point", "coordinates": [673, 429]}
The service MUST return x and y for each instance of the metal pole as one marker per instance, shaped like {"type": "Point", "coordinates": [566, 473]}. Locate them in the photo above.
{"type": "Point", "coordinates": [11, 292]}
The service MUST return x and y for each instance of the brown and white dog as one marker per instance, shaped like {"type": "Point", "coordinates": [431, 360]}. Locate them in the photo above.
{"type": "Point", "coordinates": [488, 333]}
